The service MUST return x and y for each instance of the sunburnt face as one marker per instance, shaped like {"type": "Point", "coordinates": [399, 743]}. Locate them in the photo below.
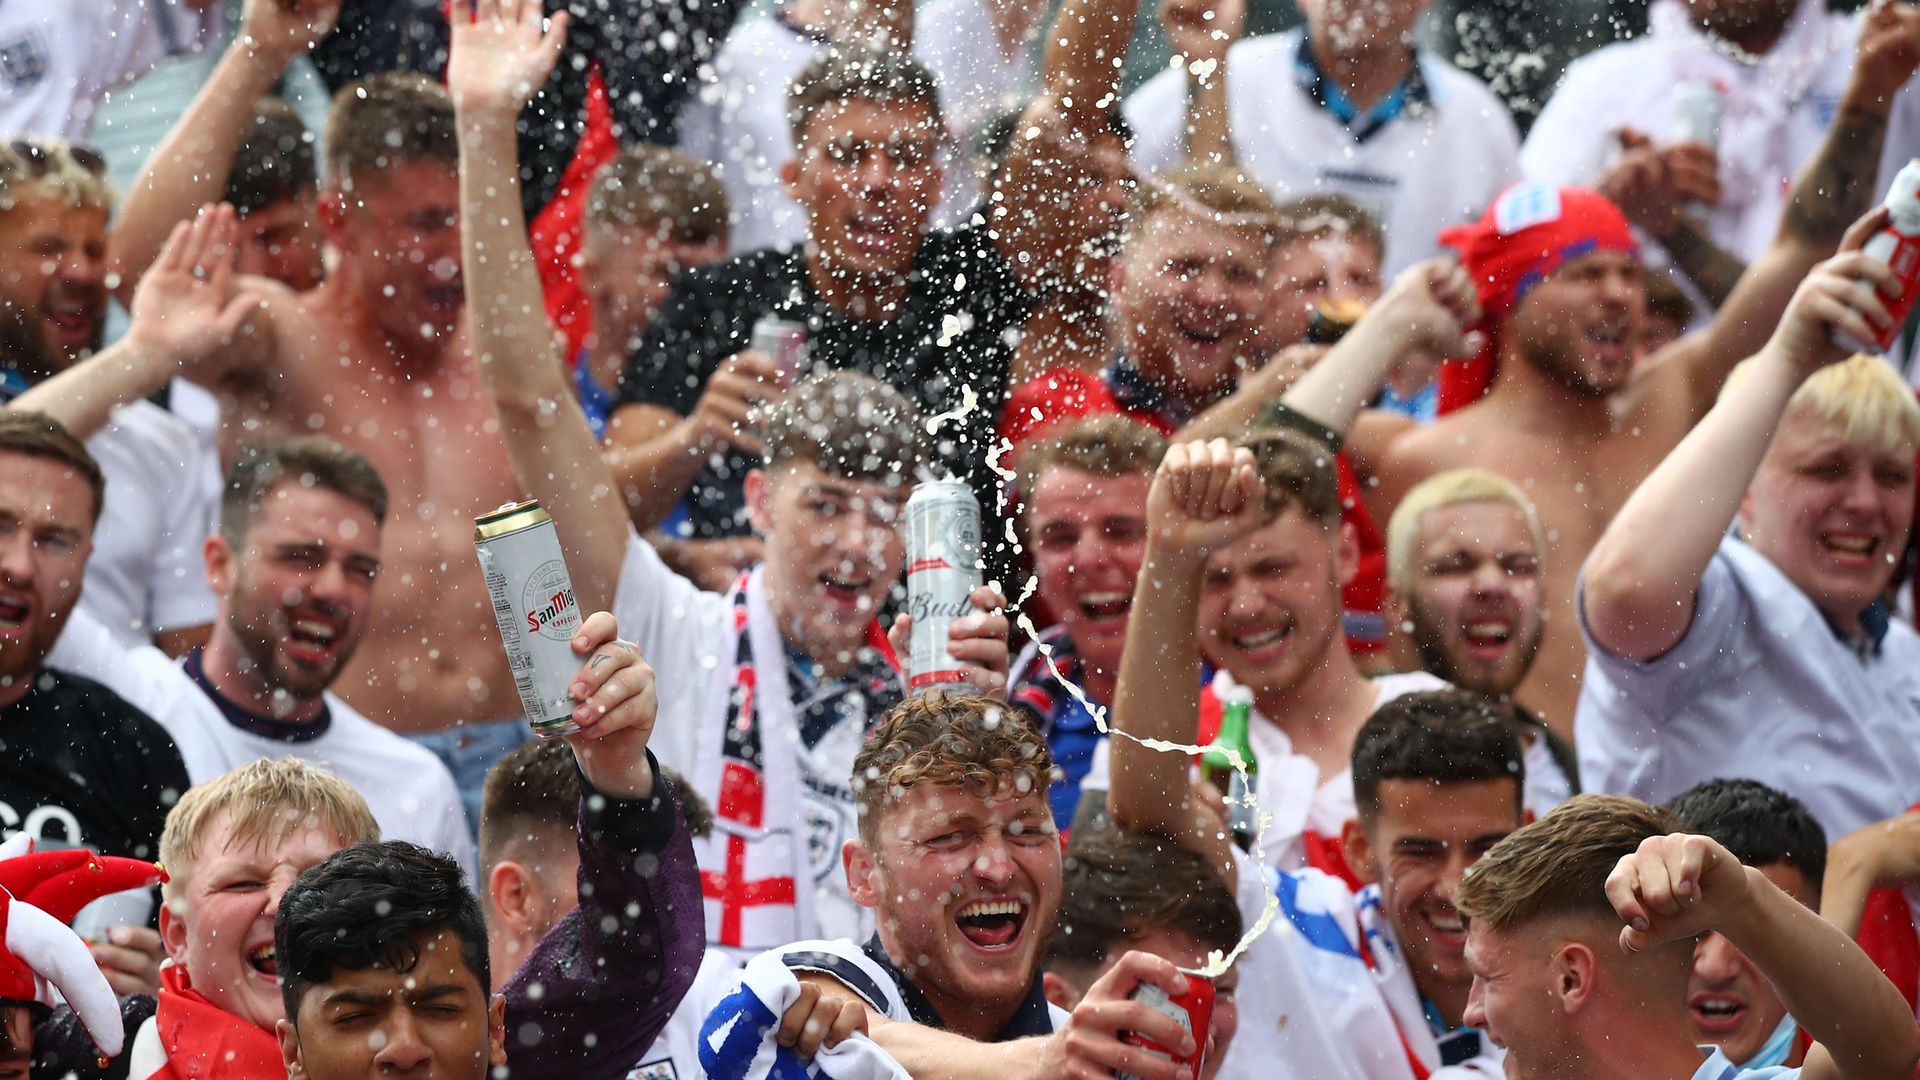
{"type": "Point", "coordinates": [53, 279]}
{"type": "Point", "coordinates": [1732, 1004]}
{"type": "Point", "coordinates": [1475, 596]}
{"type": "Point", "coordinates": [1580, 326]}
{"type": "Point", "coordinates": [282, 242]}
{"type": "Point", "coordinates": [46, 535]}
{"type": "Point", "coordinates": [967, 889]}
{"type": "Point", "coordinates": [401, 230]}
{"type": "Point", "coordinates": [1270, 604]}
{"type": "Point", "coordinates": [1187, 303]}
{"type": "Point", "coordinates": [1833, 515]}
{"type": "Point", "coordinates": [1089, 537]}
{"type": "Point", "coordinates": [833, 549]}
{"type": "Point", "coordinates": [1514, 1002]}
{"type": "Point", "coordinates": [1313, 271]}
{"type": "Point", "coordinates": [296, 597]}
{"type": "Point", "coordinates": [220, 924]}
{"type": "Point", "coordinates": [867, 173]}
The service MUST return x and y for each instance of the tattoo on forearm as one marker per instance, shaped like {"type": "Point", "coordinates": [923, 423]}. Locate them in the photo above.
{"type": "Point", "coordinates": [1837, 186]}
{"type": "Point", "coordinates": [1712, 270]}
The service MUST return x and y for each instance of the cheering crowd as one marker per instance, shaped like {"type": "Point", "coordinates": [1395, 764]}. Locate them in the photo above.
{"type": "Point", "coordinates": [1530, 520]}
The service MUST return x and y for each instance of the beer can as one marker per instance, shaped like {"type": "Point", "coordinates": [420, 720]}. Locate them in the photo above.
{"type": "Point", "coordinates": [1192, 1010]}
{"type": "Point", "coordinates": [786, 342]}
{"type": "Point", "coordinates": [1897, 245]}
{"type": "Point", "coordinates": [1698, 106]}
{"type": "Point", "coordinates": [943, 569]}
{"type": "Point", "coordinates": [534, 605]}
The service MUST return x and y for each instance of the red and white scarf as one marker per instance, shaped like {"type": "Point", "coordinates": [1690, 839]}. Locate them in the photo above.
{"type": "Point", "coordinates": [755, 874]}
{"type": "Point", "coordinates": [191, 1038]}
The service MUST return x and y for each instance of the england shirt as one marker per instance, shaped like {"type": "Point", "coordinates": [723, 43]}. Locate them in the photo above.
{"type": "Point", "coordinates": [1438, 162]}
{"type": "Point", "coordinates": [1760, 688]}
{"type": "Point", "coordinates": [59, 58]}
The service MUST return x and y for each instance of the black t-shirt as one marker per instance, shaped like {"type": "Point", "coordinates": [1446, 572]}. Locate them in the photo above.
{"type": "Point", "coordinates": [78, 765]}
{"type": "Point", "coordinates": [957, 328]}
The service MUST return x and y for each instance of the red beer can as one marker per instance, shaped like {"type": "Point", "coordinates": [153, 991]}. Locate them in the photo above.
{"type": "Point", "coordinates": [1192, 1010]}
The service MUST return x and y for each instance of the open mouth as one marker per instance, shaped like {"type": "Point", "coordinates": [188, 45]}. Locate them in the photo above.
{"type": "Point", "coordinates": [312, 637]}
{"type": "Point", "coordinates": [845, 589]}
{"type": "Point", "coordinates": [1447, 928]}
{"type": "Point", "coordinates": [1487, 638]}
{"type": "Point", "coordinates": [992, 925]}
{"type": "Point", "coordinates": [1200, 337]}
{"type": "Point", "coordinates": [1717, 1013]}
{"type": "Point", "coordinates": [1610, 335]}
{"type": "Point", "coordinates": [870, 231]}
{"type": "Point", "coordinates": [1263, 642]}
{"type": "Point", "coordinates": [263, 960]}
{"type": "Point", "coordinates": [74, 322]}
{"type": "Point", "coordinates": [1105, 605]}
{"type": "Point", "coordinates": [14, 611]}
{"type": "Point", "coordinates": [1849, 547]}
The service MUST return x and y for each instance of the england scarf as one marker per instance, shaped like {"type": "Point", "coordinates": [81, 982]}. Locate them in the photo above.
{"type": "Point", "coordinates": [737, 1041]}
{"type": "Point", "coordinates": [755, 875]}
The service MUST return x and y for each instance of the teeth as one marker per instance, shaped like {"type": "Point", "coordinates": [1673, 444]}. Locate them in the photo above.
{"type": "Point", "coordinates": [981, 908]}
{"type": "Point", "coordinates": [1102, 599]}
{"type": "Point", "coordinates": [1718, 1006]}
{"type": "Point", "coordinates": [1489, 629]}
{"type": "Point", "coordinates": [320, 632]}
{"type": "Point", "coordinates": [1852, 545]}
{"type": "Point", "coordinates": [1260, 640]}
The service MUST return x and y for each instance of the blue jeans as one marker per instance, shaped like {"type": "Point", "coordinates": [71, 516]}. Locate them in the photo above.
{"type": "Point", "coordinates": [469, 751]}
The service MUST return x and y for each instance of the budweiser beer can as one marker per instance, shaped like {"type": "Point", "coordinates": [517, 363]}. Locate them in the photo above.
{"type": "Point", "coordinates": [1192, 1010]}
{"type": "Point", "coordinates": [943, 569]}
{"type": "Point", "coordinates": [534, 605]}
{"type": "Point", "coordinates": [786, 342]}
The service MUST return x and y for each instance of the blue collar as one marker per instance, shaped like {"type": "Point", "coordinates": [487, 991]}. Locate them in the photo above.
{"type": "Point", "coordinates": [254, 723]}
{"type": "Point", "coordinates": [1031, 1018]}
{"type": "Point", "coordinates": [12, 384]}
{"type": "Point", "coordinates": [1411, 96]}
{"type": "Point", "coordinates": [1135, 394]}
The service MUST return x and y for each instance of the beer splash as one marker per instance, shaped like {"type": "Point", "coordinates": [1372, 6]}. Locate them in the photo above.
{"type": "Point", "coordinates": [1217, 961]}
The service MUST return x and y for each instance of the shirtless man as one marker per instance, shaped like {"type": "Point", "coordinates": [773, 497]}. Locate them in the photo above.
{"type": "Point", "coordinates": [377, 357]}
{"type": "Point", "coordinates": [1568, 416]}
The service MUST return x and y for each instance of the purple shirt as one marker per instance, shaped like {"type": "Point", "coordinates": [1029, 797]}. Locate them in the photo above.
{"type": "Point", "coordinates": [604, 995]}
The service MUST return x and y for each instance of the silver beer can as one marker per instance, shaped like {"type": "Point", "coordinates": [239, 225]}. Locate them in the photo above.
{"type": "Point", "coordinates": [786, 342]}
{"type": "Point", "coordinates": [533, 603]}
{"type": "Point", "coordinates": [943, 569]}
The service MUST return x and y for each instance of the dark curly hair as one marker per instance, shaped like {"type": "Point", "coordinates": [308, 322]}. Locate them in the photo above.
{"type": "Point", "coordinates": [366, 906]}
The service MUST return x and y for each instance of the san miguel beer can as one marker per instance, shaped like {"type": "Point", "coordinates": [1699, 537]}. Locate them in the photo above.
{"type": "Point", "coordinates": [943, 569]}
{"type": "Point", "coordinates": [1192, 1010]}
{"type": "Point", "coordinates": [534, 604]}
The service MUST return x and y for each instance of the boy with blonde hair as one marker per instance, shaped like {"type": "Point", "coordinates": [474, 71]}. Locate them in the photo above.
{"type": "Point", "coordinates": [1768, 654]}
{"type": "Point", "coordinates": [232, 846]}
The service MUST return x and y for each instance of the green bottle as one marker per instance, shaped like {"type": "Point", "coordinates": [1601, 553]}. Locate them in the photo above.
{"type": "Point", "coordinates": [1236, 716]}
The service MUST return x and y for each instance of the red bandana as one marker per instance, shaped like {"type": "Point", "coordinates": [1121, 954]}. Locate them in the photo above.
{"type": "Point", "coordinates": [1529, 232]}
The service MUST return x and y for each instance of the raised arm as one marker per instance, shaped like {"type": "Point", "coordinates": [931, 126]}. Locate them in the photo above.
{"type": "Point", "coordinates": [1641, 578]}
{"type": "Point", "coordinates": [187, 314]}
{"type": "Point", "coordinates": [499, 56]}
{"type": "Point", "coordinates": [1202, 32]}
{"type": "Point", "coordinates": [1205, 496]}
{"type": "Point", "coordinates": [189, 168]}
{"type": "Point", "coordinates": [1834, 189]}
{"type": "Point", "coordinates": [1681, 886]}
{"type": "Point", "coordinates": [1039, 227]}
{"type": "Point", "coordinates": [600, 986]}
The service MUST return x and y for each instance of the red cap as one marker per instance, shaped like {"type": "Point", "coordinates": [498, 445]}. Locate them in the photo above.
{"type": "Point", "coordinates": [1529, 232]}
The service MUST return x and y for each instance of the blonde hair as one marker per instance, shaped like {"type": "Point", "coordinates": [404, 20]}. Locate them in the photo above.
{"type": "Point", "coordinates": [1218, 194]}
{"type": "Point", "coordinates": [1451, 488]}
{"type": "Point", "coordinates": [52, 167]}
{"type": "Point", "coordinates": [265, 802]}
{"type": "Point", "coordinates": [1863, 396]}
{"type": "Point", "coordinates": [1558, 866]}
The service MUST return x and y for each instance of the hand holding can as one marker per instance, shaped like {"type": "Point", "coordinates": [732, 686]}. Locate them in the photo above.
{"type": "Point", "coordinates": [943, 569]}
{"type": "Point", "coordinates": [534, 606]}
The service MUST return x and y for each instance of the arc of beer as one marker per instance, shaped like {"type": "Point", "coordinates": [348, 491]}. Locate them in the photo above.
{"type": "Point", "coordinates": [1217, 961]}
